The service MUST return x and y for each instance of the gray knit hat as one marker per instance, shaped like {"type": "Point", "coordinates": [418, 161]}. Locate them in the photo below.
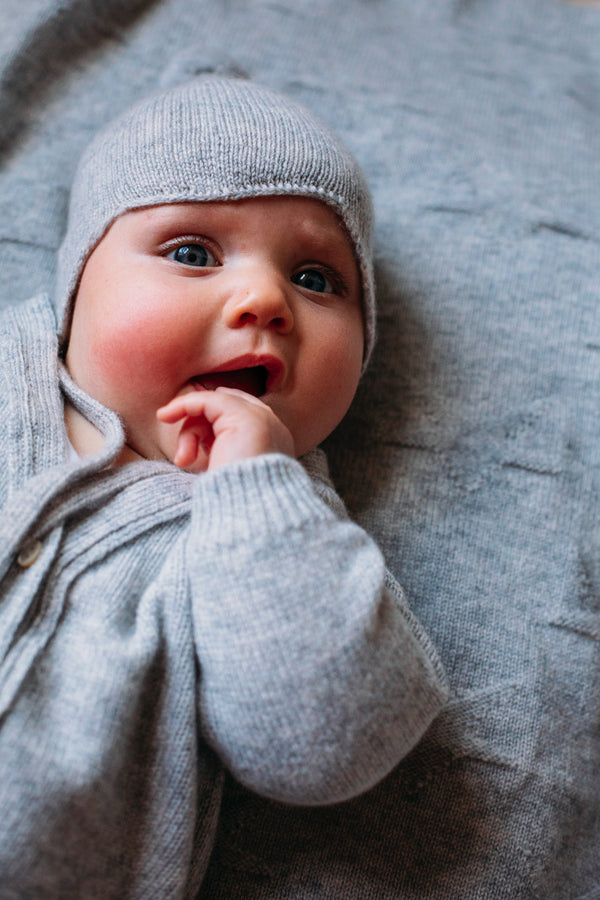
{"type": "Point", "coordinates": [212, 138]}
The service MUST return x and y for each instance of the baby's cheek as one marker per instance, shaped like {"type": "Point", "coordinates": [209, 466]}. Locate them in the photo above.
{"type": "Point", "coordinates": [134, 358]}
{"type": "Point", "coordinates": [116, 360]}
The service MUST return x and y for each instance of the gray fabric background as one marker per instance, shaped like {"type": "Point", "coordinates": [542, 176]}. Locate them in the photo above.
{"type": "Point", "coordinates": [472, 453]}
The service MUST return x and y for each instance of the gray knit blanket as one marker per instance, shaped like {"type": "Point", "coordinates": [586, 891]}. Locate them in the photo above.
{"type": "Point", "coordinates": [472, 453]}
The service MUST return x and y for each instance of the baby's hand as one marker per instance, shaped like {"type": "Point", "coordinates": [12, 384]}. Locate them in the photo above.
{"type": "Point", "coordinates": [222, 426]}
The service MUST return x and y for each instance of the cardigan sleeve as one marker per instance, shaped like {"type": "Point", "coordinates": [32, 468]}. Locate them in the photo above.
{"type": "Point", "coordinates": [315, 677]}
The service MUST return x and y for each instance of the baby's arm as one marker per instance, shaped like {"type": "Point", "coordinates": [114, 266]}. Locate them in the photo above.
{"type": "Point", "coordinates": [315, 678]}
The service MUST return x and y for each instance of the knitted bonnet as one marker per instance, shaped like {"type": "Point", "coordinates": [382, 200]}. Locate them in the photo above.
{"type": "Point", "coordinates": [212, 138]}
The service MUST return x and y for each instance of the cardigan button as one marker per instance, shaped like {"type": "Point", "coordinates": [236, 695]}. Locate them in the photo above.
{"type": "Point", "coordinates": [29, 554]}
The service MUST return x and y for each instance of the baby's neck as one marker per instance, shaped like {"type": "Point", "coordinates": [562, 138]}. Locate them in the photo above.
{"type": "Point", "coordinates": [86, 440]}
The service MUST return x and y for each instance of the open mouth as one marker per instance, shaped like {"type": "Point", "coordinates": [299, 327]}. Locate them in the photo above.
{"type": "Point", "coordinates": [252, 380]}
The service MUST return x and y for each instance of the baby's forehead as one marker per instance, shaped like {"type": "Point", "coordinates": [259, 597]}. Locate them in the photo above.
{"type": "Point", "coordinates": [310, 219]}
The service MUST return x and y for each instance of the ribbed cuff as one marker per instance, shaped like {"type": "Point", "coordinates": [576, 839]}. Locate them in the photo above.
{"type": "Point", "coordinates": [262, 496]}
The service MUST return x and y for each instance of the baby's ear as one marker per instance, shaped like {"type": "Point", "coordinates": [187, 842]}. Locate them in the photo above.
{"type": "Point", "coordinates": [195, 63]}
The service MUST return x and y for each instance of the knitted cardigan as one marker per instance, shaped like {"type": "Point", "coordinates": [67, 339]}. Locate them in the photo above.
{"type": "Point", "coordinates": [156, 627]}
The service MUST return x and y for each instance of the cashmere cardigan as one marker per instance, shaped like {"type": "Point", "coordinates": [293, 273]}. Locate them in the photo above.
{"type": "Point", "coordinates": [157, 627]}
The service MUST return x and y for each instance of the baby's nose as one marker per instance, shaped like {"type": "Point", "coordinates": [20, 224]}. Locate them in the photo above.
{"type": "Point", "coordinates": [262, 301]}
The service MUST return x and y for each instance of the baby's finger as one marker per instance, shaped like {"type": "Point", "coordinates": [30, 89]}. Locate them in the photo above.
{"type": "Point", "coordinates": [243, 395]}
{"type": "Point", "coordinates": [208, 404]}
{"type": "Point", "coordinates": [177, 409]}
{"type": "Point", "coordinates": [187, 449]}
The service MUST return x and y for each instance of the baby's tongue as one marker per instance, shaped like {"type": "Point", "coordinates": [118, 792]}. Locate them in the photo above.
{"type": "Point", "coordinates": [249, 380]}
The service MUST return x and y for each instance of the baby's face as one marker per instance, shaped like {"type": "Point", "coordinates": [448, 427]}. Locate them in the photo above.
{"type": "Point", "coordinates": [260, 294]}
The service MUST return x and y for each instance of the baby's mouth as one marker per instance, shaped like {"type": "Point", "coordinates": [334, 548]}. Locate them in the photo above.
{"type": "Point", "coordinates": [252, 380]}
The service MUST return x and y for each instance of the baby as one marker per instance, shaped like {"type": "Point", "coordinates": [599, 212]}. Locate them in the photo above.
{"type": "Point", "coordinates": [182, 591]}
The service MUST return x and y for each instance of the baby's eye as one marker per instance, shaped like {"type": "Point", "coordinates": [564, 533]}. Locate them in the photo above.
{"type": "Point", "coordinates": [193, 255]}
{"type": "Point", "coordinates": [315, 280]}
